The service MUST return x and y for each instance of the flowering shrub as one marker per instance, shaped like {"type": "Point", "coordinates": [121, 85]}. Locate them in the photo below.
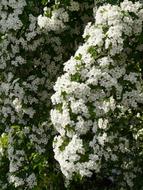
{"type": "Point", "coordinates": [100, 90]}
{"type": "Point", "coordinates": [98, 101]}
{"type": "Point", "coordinates": [27, 74]}
{"type": "Point", "coordinates": [30, 61]}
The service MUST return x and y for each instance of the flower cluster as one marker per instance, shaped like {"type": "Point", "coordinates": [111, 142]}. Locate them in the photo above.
{"type": "Point", "coordinates": [98, 101]}
{"type": "Point", "coordinates": [61, 13]}
{"type": "Point", "coordinates": [56, 22]}
{"type": "Point", "coordinates": [24, 160]}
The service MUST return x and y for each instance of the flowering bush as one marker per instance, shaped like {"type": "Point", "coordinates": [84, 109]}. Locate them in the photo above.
{"type": "Point", "coordinates": [99, 100]}
{"type": "Point", "coordinates": [100, 90]}
{"type": "Point", "coordinates": [30, 61]}
{"type": "Point", "coordinates": [25, 90]}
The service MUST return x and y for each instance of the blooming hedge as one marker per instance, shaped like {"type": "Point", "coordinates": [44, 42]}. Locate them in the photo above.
{"type": "Point", "coordinates": [97, 106]}
{"type": "Point", "coordinates": [30, 61]}
{"type": "Point", "coordinates": [98, 101]}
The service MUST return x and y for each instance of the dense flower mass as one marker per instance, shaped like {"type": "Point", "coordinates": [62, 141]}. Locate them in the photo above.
{"type": "Point", "coordinates": [22, 50]}
{"type": "Point", "coordinates": [96, 134]}
{"type": "Point", "coordinates": [99, 100]}
{"type": "Point", "coordinates": [27, 74]}
{"type": "Point", "coordinates": [30, 61]}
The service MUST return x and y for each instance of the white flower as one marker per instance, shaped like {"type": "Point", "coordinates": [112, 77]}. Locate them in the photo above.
{"type": "Point", "coordinates": [31, 181]}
